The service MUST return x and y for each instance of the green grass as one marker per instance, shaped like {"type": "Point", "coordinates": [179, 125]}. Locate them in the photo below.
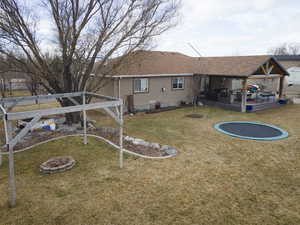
{"type": "Point", "coordinates": [216, 179]}
{"type": "Point", "coordinates": [17, 93]}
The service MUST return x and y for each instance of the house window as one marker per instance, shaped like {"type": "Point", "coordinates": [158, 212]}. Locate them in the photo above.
{"type": "Point", "coordinates": [178, 83]}
{"type": "Point", "coordinates": [140, 85]}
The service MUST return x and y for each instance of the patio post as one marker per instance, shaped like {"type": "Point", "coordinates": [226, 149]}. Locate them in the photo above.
{"type": "Point", "coordinates": [281, 85]}
{"type": "Point", "coordinates": [244, 95]}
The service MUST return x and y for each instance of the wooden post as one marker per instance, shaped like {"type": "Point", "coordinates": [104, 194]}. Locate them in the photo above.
{"type": "Point", "coordinates": [244, 95]}
{"type": "Point", "coordinates": [281, 85]}
{"type": "Point", "coordinates": [121, 136]}
{"type": "Point", "coordinates": [209, 83]}
{"type": "Point", "coordinates": [85, 141]}
{"type": "Point", "coordinates": [12, 184]}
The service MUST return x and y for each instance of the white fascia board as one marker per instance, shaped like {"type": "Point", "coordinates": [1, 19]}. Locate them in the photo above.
{"type": "Point", "coordinates": [155, 75]}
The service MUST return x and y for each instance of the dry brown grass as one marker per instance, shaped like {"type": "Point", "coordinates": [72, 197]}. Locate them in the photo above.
{"type": "Point", "coordinates": [216, 179]}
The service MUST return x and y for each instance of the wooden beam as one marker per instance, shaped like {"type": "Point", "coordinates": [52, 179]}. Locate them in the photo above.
{"type": "Point", "coordinates": [263, 69]}
{"type": "Point", "coordinates": [14, 104]}
{"type": "Point", "coordinates": [111, 113]}
{"type": "Point", "coordinates": [39, 97]}
{"type": "Point", "coordinates": [281, 85]}
{"type": "Point", "coordinates": [255, 77]}
{"type": "Point", "coordinates": [244, 96]}
{"type": "Point", "coordinates": [270, 69]}
{"type": "Point", "coordinates": [24, 131]}
{"type": "Point", "coordinates": [101, 96]}
{"type": "Point", "coordinates": [61, 110]}
{"type": "Point", "coordinates": [74, 101]}
{"type": "Point", "coordinates": [117, 111]}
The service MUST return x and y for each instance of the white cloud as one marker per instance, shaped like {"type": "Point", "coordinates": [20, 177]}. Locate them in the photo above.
{"type": "Point", "coordinates": [226, 27]}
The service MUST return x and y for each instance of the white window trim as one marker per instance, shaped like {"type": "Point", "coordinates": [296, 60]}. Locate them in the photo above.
{"type": "Point", "coordinates": [144, 91]}
{"type": "Point", "coordinates": [183, 83]}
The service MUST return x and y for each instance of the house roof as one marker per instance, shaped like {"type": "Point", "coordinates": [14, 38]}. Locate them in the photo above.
{"type": "Point", "coordinates": [231, 65]}
{"type": "Point", "coordinates": [287, 57]}
{"type": "Point", "coordinates": [157, 62]}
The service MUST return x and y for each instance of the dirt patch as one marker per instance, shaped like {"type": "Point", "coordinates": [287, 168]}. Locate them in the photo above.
{"type": "Point", "coordinates": [196, 116]}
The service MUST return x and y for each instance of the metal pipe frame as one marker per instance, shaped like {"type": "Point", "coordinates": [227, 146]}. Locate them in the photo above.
{"type": "Point", "coordinates": [8, 117]}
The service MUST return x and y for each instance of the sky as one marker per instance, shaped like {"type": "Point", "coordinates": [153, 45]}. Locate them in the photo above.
{"type": "Point", "coordinates": [233, 27]}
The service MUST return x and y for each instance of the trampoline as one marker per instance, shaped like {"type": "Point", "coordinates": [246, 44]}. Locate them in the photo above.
{"type": "Point", "coordinates": [252, 130]}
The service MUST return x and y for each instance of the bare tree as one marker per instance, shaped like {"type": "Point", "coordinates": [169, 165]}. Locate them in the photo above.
{"type": "Point", "coordinates": [286, 49]}
{"type": "Point", "coordinates": [32, 84]}
{"type": "Point", "coordinates": [5, 83]}
{"type": "Point", "coordinates": [3, 86]}
{"type": "Point", "coordinates": [84, 30]}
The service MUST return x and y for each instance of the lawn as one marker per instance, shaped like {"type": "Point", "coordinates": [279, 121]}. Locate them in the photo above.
{"type": "Point", "coordinates": [216, 179]}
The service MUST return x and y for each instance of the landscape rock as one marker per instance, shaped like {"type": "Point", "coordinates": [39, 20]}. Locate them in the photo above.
{"type": "Point", "coordinates": [91, 125]}
{"type": "Point", "coordinates": [128, 138]}
{"type": "Point", "coordinates": [171, 151]}
{"type": "Point", "coordinates": [147, 144]}
{"type": "Point", "coordinates": [155, 145]}
{"type": "Point", "coordinates": [165, 147]}
{"type": "Point", "coordinates": [138, 141]}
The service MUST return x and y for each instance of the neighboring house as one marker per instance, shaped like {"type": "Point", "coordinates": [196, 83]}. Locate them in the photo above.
{"type": "Point", "coordinates": [13, 80]}
{"type": "Point", "coordinates": [149, 77]}
{"type": "Point", "coordinates": [292, 64]}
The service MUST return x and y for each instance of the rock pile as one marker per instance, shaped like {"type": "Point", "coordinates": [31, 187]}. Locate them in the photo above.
{"type": "Point", "coordinates": [137, 141]}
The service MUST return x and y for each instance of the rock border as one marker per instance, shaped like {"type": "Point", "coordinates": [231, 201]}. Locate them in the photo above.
{"type": "Point", "coordinates": [166, 148]}
{"type": "Point", "coordinates": [90, 135]}
{"type": "Point", "coordinates": [46, 169]}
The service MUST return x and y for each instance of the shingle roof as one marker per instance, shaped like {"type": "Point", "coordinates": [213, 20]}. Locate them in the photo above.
{"type": "Point", "coordinates": [157, 62]}
{"type": "Point", "coordinates": [231, 65]}
{"type": "Point", "coordinates": [287, 57]}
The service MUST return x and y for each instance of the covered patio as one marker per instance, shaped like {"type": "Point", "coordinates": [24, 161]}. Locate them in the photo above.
{"type": "Point", "coordinates": [231, 85]}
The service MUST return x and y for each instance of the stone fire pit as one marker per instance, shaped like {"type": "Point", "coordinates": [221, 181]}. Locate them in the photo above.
{"type": "Point", "coordinates": [57, 164]}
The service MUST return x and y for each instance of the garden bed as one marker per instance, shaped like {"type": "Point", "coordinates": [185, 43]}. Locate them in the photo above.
{"type": "Point", "coordinates": [111, 134]}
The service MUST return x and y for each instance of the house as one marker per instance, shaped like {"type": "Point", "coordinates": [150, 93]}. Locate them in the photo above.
{"type": "Point", "coordinates": [292, 64]}
{"type": "Point", "coordinates": [148, 78]}
{"type": "Point", "coordinates": [288, 61]}
{"type": "Point", "coordinates": [13, 81]}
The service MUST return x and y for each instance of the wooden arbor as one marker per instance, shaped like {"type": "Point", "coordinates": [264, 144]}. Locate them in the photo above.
{"type": "Point", "coordinates": [112, 106]}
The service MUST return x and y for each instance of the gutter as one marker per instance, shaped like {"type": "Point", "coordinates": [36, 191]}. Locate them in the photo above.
{"type": "Point", "coordinates": [154, 75]}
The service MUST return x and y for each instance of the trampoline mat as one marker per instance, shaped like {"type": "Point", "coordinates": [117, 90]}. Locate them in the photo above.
{"type": "Point", "coordinates": [251, 130]}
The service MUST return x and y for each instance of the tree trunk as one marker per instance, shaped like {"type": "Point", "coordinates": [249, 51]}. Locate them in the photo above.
{"type": "Point", "coordinates": [71, 118]}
